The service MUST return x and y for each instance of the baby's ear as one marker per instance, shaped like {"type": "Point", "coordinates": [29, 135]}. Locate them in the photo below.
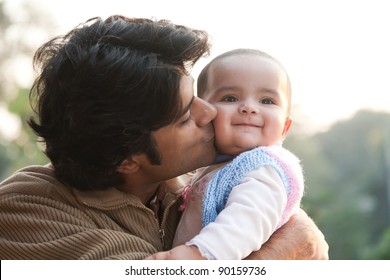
{"type": "Point", "coordinates": [287, 125]}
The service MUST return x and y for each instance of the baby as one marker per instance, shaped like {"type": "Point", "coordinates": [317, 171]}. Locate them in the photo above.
{"type": "Point", "coordinates": [233, 206]}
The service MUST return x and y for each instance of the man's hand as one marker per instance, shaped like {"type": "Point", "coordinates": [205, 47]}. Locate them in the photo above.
{"type": "Point", "coordinates": [298, 239]}
{"type": "Point", "coordinates": [182, 252]}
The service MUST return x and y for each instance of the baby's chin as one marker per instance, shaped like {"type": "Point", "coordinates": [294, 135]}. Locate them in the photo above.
{"type": "Point", "coordinates": [236, 150]}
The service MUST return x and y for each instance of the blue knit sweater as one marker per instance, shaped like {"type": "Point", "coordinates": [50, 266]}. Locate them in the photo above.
{"type": "Point", "coordinates": [284, 162]}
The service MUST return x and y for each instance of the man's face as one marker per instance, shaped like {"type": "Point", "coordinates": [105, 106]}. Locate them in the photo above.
{"type": "Point", "coordinates": [188, 143]}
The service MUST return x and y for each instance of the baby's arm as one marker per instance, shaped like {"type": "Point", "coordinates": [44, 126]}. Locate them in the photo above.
{"type": "Point", "coordinates": [251, 215]}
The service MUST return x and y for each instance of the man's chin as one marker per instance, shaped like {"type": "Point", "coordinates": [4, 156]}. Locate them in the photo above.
{"type": "Point", "coordinates": [209, 158]}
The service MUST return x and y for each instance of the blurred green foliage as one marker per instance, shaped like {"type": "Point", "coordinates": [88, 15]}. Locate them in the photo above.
{"type": "Point", "coordinates": [381, 250]}
{"type": "Point", "coordinates": [347, 184]}
{"type": "Point", "coordinates": [25, 149]}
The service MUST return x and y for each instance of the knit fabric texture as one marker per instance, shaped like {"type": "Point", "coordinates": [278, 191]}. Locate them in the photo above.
{"type": "Point", "coordinates": [286, 164]}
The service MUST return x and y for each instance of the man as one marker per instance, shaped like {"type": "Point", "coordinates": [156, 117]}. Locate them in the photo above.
{"type": "Point", "coordinates": [119, 119]}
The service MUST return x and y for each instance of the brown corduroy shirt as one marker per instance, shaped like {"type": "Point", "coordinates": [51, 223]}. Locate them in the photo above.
{"type": "Point", "coordinates": [40, 218]}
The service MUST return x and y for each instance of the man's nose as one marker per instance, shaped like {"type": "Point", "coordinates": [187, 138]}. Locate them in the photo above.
{"type": "Point", "coordinates": [203, 111]}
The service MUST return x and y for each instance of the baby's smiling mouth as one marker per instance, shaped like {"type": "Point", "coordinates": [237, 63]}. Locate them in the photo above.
{"type": "Point", "coordinates": [247, 124]}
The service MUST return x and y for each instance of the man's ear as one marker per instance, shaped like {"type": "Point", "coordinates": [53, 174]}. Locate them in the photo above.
{"type": "Point", "coordinates": [129, 165]}
{"type": "Point", "coordinates": [287, 126]}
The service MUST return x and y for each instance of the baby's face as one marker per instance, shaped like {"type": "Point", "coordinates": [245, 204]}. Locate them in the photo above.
{"type": "Point", "coordinates": [251, 94]}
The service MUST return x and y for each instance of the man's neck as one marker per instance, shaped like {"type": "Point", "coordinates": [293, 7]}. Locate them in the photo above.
{"type": "Point", "coordinates": [144, 193]}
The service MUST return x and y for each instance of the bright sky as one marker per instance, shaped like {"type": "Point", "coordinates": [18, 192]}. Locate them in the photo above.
{"type": "Point", "coordinates": [337, 52]}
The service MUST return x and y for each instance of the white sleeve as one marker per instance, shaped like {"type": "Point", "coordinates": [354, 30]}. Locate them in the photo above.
{"type": "Point", "coordinates": [251, 215]}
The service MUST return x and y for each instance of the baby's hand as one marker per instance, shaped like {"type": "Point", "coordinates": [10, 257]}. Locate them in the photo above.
{"type": "Point", "coordinates": [182, 252]}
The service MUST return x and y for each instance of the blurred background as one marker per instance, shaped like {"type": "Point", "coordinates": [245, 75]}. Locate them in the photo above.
{"type": "Point", "coordinates": [336, 53]}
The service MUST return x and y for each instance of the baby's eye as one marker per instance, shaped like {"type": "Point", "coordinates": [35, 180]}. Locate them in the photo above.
{"type": "Point", "coordinates": [267, 101]}
{"type": "Point", "coordinates": [230, 98]}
